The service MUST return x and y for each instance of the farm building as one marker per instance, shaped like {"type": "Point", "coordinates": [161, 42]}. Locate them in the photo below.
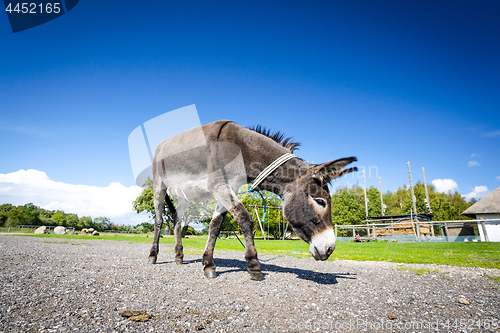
{"type": "Point", "coordinates": [487, 209]}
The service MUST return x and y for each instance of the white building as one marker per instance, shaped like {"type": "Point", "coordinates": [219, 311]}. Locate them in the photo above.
{"type": "Point", "coordinates": [487, 209]}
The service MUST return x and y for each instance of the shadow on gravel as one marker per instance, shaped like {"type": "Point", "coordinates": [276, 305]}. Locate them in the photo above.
{"type": "Point", "coordinates": [304, 274]}
{"type": "Point", "coordinates": [184, 263]}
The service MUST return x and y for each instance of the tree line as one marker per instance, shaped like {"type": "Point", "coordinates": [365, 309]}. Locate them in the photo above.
{"type": "Point", "coordinates": [348, 207]}
{"type": "Point", "coordinates": [30, 214]}
{"type": "Point", "coordinates": [348, 203]}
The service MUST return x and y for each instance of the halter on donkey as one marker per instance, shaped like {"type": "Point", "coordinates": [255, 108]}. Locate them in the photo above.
{"type": "Point", "coordinates": [217, 159]}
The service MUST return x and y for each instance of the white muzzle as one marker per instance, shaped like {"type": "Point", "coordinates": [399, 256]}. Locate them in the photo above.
{"type": "Point", "coordinates": [322, 244]}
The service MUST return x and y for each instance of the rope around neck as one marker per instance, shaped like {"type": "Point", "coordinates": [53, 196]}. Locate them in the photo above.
{"type": "Point", "coordinates": [270, 168]}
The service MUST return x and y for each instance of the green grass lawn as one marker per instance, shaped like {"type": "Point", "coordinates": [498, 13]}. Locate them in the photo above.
{"type": "Point", "coordinates": [470, 254]}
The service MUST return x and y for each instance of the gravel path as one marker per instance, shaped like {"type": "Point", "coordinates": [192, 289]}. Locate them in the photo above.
{"type": "Point", "coordinates": [57, 285]}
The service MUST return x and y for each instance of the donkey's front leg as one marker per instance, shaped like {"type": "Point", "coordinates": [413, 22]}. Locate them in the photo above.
{"type": "Point", "coordinates": [213, 233]}
{"type": "Point", "coordinates": [245, 222]}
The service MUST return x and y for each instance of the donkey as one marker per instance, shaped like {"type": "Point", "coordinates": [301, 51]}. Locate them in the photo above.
{"type": "Point", "coordinates": [216, 159]}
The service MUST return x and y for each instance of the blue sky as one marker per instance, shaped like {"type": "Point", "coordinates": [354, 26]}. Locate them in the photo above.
{"type": "Point", "coordinates": [385, 81]}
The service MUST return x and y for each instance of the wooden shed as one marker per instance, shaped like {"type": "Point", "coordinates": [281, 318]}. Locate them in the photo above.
{"type": "Point", "coordinates": [487, 209]}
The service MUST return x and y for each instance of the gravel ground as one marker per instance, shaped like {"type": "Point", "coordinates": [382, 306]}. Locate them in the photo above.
{"type": "Point", "coordinates": [57, 285]}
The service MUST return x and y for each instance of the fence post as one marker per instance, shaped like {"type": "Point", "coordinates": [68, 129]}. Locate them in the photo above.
{"type": "Point", "coordinates": [335, 232]}
{"type": "Point", "coordinates": [446, 231]}
{"type": "Point", "coordinates": [486, 238]}
{"type": "Point", "coordinates": [417, 225]}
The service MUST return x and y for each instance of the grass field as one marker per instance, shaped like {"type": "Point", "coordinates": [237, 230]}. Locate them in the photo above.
{"type": "Point", "coordinates": [470, 254]}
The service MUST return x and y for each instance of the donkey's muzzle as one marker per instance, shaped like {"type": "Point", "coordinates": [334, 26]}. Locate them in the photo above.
{"type": "Point", "coordinates": [322, 244]}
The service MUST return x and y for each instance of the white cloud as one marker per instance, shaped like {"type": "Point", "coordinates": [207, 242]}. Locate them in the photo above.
{"type": "Point", "coordinates": [473, 163]}
{"type": "Point", "coordinates": [28, 130]}
{"type": "Point", "coordinates": [492, 134]}
{"type": "Point", "coordinates": [113, 201]}
{"type": "Point", "coordinates": [477, 192]}
{"type": "Point", "coordinates": [445, 185]}
{"type": "Point", "coordinates": [498, 177]}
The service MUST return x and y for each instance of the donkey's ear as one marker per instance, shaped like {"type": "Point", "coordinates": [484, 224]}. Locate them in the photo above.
{"type": "Point", "coordinates": [334, 169]}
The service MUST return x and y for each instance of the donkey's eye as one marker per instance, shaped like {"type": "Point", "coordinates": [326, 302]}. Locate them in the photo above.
{"type": "Point", "coordinates": [321, 202]}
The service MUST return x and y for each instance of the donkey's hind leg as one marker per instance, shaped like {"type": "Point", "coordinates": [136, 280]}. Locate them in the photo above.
{"type": "Point", "coordinates": [213, 233]}
{"type": "Point", "coordinates": [181, 207]}
{"type": "Point", "coordinates": [159, 203]}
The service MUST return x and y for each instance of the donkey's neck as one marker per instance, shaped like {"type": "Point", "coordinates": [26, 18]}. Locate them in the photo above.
{"type": "Point", "coordinates": [258, 152]}
{"type": "Point", "coordinates": [268, 151]}
{"type": "Point", "coordinates": [284, 176]}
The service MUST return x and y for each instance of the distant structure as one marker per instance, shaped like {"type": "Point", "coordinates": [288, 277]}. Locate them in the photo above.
{"type": "Point", "coordinates": [487, 209]}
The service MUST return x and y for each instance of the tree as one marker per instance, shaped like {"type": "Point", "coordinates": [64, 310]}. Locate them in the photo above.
{"type": "Point", "coordinates": [194, 211]}
{"type": "Point", "coordinates": [373, 195]}
{"type": "Point", "coordinates": [31, 214]}
{"type": "Point", "coordinates": [102, 223]}
{"type": "Point", "coordinates": [5, 211]}
{"type": "Point", "coordinates": [145, 203]}
{"type": "Point", "coordinates": [190, 231]}
{"type": "Point", "coordinates": [59, 217]}
{"type": "Point", "coordinates": [85, 222]}
{"type": "Point", "coordinates": [71, 220]}
{"type": "Point", "coordinates": [348, 205]}
{"type": "Point", "coordinates": [145, 227]}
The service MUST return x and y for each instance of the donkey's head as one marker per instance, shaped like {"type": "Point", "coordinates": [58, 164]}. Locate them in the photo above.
{"type": "Point", "coordinates": [307, 205]}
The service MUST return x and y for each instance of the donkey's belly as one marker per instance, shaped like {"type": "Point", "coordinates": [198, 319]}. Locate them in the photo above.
{"type": "Point", "coordinates": [193, 173]}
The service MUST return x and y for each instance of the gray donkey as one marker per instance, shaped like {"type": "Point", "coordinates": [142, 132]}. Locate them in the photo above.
{"type": "Point", "coordinates": [216, 159]}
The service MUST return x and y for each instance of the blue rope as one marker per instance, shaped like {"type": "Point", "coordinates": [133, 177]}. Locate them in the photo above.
{"type": "Point", "coordinates": [263, 221]}
{"type": "Point", "coordinates": [263, 217]}
{"type": "Point", "coordinates": [296, 250]}
{"type": "Point", "coordinates": [263, 202]}
{"type": "Point", "coordinates": [265, 207]}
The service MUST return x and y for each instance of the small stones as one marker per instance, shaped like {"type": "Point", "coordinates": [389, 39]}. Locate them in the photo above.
{"type": "Point", "coordinates": [135, 315]}
{"type": "Point", "coordinates": [49, 288]}
{"type": "Point", "coordinates": [462, 300]}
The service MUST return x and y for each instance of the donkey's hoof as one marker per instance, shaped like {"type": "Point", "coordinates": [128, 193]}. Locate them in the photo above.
{"type": "Point", "coordinates": [210, 273]}
{"type": "Point", "coordinates": [256, 275]}
{"type": "Point", "coordinates": [178, 261]}
{"type": "Point", "coordinates": [152, 260]}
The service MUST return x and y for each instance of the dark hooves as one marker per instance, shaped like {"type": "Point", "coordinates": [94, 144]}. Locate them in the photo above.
{"type": "Point", "coordinates": [178, 261]}
{"type": "Point", "coordinates": [210, 273]}
{"type": "Point", "coordinates": [256, 275]}
{"type": "Point", "coordinates": [152, 260]}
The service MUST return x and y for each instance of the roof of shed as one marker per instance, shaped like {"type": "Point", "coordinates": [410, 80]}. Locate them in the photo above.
{"type": "Point", "coordinates": [490, 204]}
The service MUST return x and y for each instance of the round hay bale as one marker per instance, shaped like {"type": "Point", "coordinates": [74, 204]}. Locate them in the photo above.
{"type": "Point", "coordinates": [41, 230]}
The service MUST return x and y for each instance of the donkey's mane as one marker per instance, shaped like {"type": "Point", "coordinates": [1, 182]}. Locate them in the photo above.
{"type": "Point", "coordinates": [277, 136]}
